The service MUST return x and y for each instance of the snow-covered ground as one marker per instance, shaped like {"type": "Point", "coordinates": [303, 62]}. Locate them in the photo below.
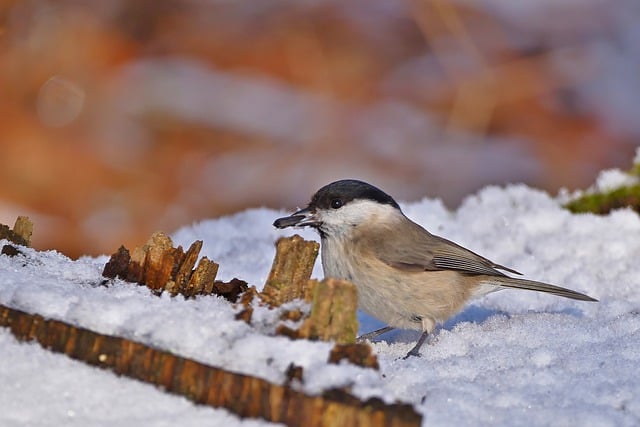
{"type": "Point", "coordinates": [511, 358]}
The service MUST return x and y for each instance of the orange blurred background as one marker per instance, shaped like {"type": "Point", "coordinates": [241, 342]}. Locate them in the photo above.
{"type": "Point", "coordinates": [121, 118]}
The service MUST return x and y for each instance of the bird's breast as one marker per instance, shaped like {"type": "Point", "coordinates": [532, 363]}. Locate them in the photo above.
{"type": "Point", "coordinates": [336, 259]}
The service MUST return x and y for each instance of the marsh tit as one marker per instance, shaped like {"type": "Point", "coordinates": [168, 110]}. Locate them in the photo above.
{"type": "Point", "coordinates": [405, 276]}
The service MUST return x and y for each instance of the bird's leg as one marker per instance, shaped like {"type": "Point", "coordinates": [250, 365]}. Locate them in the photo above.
{"type": "Point", "coordinates": [415, 351]}
{"type": "Point", "coordinates": [374, 334]}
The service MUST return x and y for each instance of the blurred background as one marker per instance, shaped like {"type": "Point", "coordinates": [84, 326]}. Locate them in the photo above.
{"type": "Point", "coordinates": [121, 118]}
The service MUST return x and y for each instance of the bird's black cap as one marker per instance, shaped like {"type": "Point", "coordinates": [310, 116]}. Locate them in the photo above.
{"type": "Point", "coordinates": [347, 190]}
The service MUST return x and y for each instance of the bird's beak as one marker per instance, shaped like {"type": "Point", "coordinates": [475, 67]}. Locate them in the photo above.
{"type": "Point", "coordinates": [303, 217]}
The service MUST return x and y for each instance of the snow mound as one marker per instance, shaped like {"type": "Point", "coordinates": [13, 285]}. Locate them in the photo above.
{"type": "Point", "coordinates": [511, 358]}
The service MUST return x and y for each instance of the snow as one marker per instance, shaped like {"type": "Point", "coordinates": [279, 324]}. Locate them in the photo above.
{"type": "Point", "coordinates": [510, 358]}
{"type": "Point", "coordinates": [607, 180]}
{"type": "Point", "coordinates": [611, 179]}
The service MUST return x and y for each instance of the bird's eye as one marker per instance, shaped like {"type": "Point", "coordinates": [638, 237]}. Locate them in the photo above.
{"type": "Point", "coordinates": [336, 203]}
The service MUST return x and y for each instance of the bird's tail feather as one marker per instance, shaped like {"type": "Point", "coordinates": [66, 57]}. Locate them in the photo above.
{"type": "Point", "coordinates": [510, 282]}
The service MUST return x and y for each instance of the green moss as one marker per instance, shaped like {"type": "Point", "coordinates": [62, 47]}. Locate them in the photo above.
{"type": "Point", "coordinates": [603, 203]}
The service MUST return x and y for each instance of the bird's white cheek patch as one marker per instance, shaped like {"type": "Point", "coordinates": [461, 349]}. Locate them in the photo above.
{"type": "Point", "coordinates": [358, 212]}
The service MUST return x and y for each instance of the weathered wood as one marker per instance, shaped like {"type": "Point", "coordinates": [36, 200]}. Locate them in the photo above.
{"type": "Point", "coordinates": [159, 261]}
{"type": "Point", "coordinates": [23, 227]}
{"type": "Point", "coordinates": [118, 264]}
{"type": "Point", "coordinates": [230, 290]}
{"type": "Point", "coordinates": [204, 274]}
{"type": "Point", "coordinates": [358, 354]}
{"type": "Point", "coordinates": [20, 235]}
{"type": "Point", "coordinates": [291, 270]}
{"type": "Point", "coordinates": [161, 267]}
{"type": "Point", "coordinates": [333, 312]}
{"type": "Point", "coordinates": [246, 301]}
{"type": "Point", "coordinates": [244, 395]}
{"type": "Point", "coordinates": [186, 268]}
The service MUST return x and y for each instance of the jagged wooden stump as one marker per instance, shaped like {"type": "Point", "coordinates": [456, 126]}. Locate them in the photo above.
{"type": "Point", "coordinates": [333, 312]}
{"type": "Point", "coordinates": [162, 267]}
{"type": "Point", "coordinates": [291, 271]}
{"type": "Point", "coordinates": [20, 235]}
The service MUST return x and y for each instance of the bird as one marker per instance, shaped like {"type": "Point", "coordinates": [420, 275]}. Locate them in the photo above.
{"type": "Point", "coordinates": [405, 276]}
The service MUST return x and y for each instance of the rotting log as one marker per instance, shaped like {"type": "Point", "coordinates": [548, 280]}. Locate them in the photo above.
{"type": "Point", "coordinates": [333, 312]}
{"type": "Point", "coordinates": [162, 267]}
{"type": "Point", "coordinates": [23, 227]}
{"type": "Point", "coordinates": [291, 270]}
{"type": "Point", "coordinates": [20, 235]}
{"type": "Point", "coordinates": [244, 395]}
{"type": "Point", "coordinates": [356, 354]}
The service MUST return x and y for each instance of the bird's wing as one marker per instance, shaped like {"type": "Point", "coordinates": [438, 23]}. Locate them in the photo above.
{"type": "Point", "coordinates": [422, 251]}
